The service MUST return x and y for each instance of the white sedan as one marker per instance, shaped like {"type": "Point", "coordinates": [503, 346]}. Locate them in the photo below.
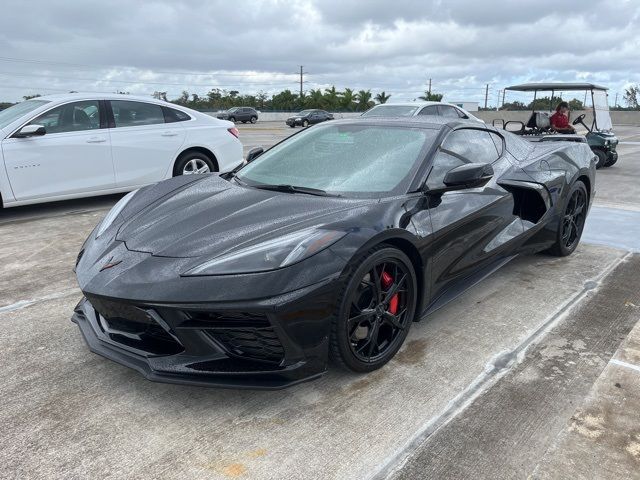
{"type": "Point", "coordinates": [69, 146]}
{"type": "Point", "coordinates": [414, 109]}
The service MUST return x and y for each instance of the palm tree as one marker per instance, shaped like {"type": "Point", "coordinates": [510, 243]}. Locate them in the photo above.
{"type": "Point", "coordinates": [431, 97]}
{"type": "Point", "coordinates": [364, 99]}
{"type": "Point", "coordinates": [331, 97]}
{"type": "Point", "coordinates": [315, 99]}
{"type": "Point", "coordinates": [347, 99]}
{"type": "Point", "coordinates": [382, 97]}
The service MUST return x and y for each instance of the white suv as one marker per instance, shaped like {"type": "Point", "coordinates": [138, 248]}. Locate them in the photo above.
{"type": "Point", "coordinates": [69, 146]}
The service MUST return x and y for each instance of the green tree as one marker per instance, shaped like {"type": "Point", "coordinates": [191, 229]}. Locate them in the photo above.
{"type": "Point", "coordinates": [347, 99]}
{"type": "Point", "coordinates": [29, 97]}
{"type": "Point", "coordinates": [431, 96]}
{"type": "Point", "coordinates": [331, 98]}
{"type": "Point", "coordinates": [382, 97]}
{"type": "Point", "coordinates": [363, 98]}
{"type": "Point", "coordinates": [314, 99]}
{"type": "Point", "coordinates": [160, 95]}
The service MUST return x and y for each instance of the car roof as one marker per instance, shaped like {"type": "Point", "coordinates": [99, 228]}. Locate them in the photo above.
{"type": "Point", "coordinates": [61, 97]}
{"type": "Point", "coordinates": [413, 104]}
{"type": "Point", "coordinates": [532, 87]}
{"type": "Point", "coordinates": [426, 121]}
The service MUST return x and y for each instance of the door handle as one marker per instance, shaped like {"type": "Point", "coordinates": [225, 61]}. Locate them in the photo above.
{"type": "Point", "coordinates": [96, 140]}
{"type": "Point", "coordinates": [169, 134]}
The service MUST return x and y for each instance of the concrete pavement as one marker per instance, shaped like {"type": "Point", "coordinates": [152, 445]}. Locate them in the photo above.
{"type": "Point", "coordinates": [67, 413]}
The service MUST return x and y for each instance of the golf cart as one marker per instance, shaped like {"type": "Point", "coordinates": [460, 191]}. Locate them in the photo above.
{"type": "Point", "coordinates": [538, 128]}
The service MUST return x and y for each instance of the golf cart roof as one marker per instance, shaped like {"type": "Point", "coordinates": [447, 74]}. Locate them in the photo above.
{"type": "Point", "coordinates": [564, 87]}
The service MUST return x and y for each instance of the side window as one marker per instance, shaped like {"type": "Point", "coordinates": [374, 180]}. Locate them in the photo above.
{"type": "Point", "coordinates": [71, 117]}
{"type": "Point", "coordinates": [460, 147]}
{"type": "Point", "coordinates": [460, 113]}
{"type": "Point", "coordinates": [448, 112]}
{"type": "Point", "coordinates": [442, 163]}
{"type": "Point", "coordinates": [497, 141]}
{"type": "Point", "coordinates": [133, 114]}
{"type": "Point", "coordinates": [172, 115]}
{"type": "Point", "coordinates": [430, 110]}
{"type": "Point", "coordinates": [474, 145]}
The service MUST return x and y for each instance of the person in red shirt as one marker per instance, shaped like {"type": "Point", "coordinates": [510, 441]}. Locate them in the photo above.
{"type": "Point", "coordinates": [560, 119]}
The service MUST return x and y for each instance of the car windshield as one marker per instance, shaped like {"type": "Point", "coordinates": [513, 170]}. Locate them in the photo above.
{"type": "Point", "coordinates": [304, 112]}
{"type": "Point", "coordinates": [349, 160]}
{"type": "Point", "coordinates": [11, 114]}
{"type": "Point", "coordinates": [234, 109]}
{"type": "Point", "coordinates": [391, 111]}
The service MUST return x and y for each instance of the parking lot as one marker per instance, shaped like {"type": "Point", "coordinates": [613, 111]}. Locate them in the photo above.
{"type": "Point", "coordinates": [494, 384]}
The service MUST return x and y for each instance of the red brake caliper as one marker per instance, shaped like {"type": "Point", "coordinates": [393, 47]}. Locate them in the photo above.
{"type": "Point", "coordinates": [387, 281]}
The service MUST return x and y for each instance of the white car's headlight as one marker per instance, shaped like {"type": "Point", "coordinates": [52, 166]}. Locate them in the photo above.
{"type": "Point", "coordinates": [114, 212]}
{"type": "Point", "coordinates": [271, 254]}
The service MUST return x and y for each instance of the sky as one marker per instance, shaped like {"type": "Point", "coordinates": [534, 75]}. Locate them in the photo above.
{"type": "Point", "coordinates": [49, 46]}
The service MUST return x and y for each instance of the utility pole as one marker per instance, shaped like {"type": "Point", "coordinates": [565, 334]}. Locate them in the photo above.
{"type": "Point", "coordinates": [503, 92]}
{"type": "Point", "coordinates": [486, 96]}
{"type": "Point", "coordinates": [429, 88]}
{"type": "Point", "coordinates": [615, 104]}
{"type": "Point", "coordinates": [301, 80]}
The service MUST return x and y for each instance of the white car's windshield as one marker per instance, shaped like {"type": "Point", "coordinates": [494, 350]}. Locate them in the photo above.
{"type": "Point", "coordinates": [362, 160]}
{"type": "Point", "coordinates": [11, 114]}
{"type": "Point", "coordinates": [391, 111]}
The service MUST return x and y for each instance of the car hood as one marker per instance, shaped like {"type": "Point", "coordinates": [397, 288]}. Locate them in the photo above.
{"type": "Point", "coordinates": [212, 216]}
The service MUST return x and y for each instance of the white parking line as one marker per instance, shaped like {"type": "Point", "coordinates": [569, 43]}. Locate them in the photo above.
{"type": "Point", "coordinates": [625, 364]}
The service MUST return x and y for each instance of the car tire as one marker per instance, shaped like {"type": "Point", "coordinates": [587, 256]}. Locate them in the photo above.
{"type": "Point", "coordinates": [292, 126]}
{"type": "Point", "coordinates": [189, 161]}
{"type": "Point", "coordinates": [232, 119]}
{"type": "Point", "coordinates": [368, 307]}
{"type": "Point", "coordinates": [602, 158]}
{"type": "Point", "coordinates": [609, 163]}
{"type": "Point", "coordinates": [571, 224]}
{"type": "Point", "coordinates": [305, 123]}
{"type": "Point", "coordinates": [253, 119]}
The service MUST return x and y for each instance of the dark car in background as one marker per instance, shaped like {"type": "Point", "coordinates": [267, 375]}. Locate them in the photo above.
{"type": "Point", "coordinates": [239, 114]}
{"type": "Point", "coordinates": [308, 117]}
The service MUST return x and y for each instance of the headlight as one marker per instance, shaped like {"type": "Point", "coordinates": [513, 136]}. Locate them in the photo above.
{"type": "Point", "coordinates": [114, 212]}
{"type": "Point", "coordinates": [271, 254]}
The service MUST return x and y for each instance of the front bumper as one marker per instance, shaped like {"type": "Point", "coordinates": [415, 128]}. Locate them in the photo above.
{"type": "Point", "coordinates": [266, 344]}
{"type": "Point", "coordinates": [294, 122]}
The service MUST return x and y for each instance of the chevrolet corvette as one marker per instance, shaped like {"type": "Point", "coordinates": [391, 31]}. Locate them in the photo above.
{"type": "Point", "coordinates": [322, 249]}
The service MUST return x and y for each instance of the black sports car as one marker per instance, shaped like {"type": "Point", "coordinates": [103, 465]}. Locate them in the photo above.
{"type": "Point", "coordinates": [327, 246]}
{"type": "Point", "coordinates": [308, 117]}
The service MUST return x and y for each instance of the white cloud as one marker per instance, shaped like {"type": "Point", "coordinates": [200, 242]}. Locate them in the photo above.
{"type": "Point", "coordinates": [258, 45]}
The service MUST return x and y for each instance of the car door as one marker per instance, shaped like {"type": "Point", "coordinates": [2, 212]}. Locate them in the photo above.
{"type": "Point", "coordinates": [73, 156]}
{"type": "Point", "coordinates": [144, 146]}
{"type": "Point", "coordinates": [470, 226]}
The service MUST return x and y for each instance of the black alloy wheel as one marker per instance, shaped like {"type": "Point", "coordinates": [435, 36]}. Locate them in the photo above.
{"type": "Point", "coordinates": [305, 123]}
{"type": "Point", "coordinates": [572, 221]}
{"type": "Point", "coordinates": [376, 311]}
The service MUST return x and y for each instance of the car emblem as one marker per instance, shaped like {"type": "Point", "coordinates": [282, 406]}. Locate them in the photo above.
{"type": "Point", "coordinates": [110, 263]}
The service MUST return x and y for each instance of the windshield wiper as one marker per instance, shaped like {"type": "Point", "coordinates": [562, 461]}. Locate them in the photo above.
{"type": "Point", "coordinates": [295, 189]}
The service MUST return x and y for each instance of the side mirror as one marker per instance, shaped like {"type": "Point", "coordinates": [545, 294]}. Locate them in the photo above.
{"type": "Point", "coordinates": [31, 131]}
{"type": "Point", "coordinates": [254, 153]}
{"type": "Point", "coordinates": [469, 175]}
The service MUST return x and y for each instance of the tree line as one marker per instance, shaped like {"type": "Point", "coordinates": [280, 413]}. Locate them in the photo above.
{"type": "Point", "coordinates": [347, 100]}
